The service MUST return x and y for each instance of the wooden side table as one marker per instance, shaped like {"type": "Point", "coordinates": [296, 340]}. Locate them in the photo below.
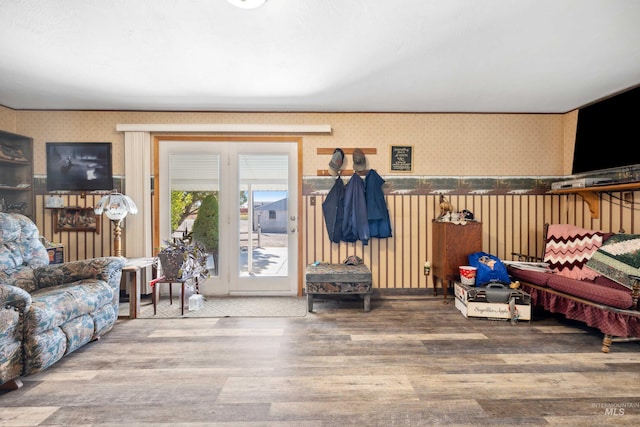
{"type": "Point", "coordinates": [131, 273]}
{"type": "Point", "coordinates": [452, 244]}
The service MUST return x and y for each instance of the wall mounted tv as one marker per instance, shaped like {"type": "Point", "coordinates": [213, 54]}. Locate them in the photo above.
{"type": "Point", "coordinates": [79, 166]}
{"type": "Point", "coordinates": [607, 132]}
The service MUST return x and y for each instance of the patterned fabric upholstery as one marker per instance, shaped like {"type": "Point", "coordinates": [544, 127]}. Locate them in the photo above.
{"type": "Point", "coordinates": [608, 295]}
{"type": "Point", "coordinates": [535, 277]}
{"type": "Point", "coordinates": [568, 249]}
{"type": "Point", "coordinates": [617, 258]}
{"type": "Point", "coordinates": [14, 301]}
{"type": "Point", "coordinates": [49, 311]}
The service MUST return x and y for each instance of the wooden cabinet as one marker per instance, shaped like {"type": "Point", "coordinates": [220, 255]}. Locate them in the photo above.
{"type": "Point", "coordinates": [16, 174]}
{"type": "Point", "coordinates": [452, 244]}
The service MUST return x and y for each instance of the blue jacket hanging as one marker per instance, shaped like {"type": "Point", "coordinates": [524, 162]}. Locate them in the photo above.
{"type": "Point", "coordinates": [377, 212]}
{"type": "Point", "coordinates": [355, 225]}
{"type": "Point", "coordinates": [333, 210]}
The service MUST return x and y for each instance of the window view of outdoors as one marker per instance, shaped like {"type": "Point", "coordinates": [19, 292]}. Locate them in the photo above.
{"type": "Point", "coordinates": [194, 216]}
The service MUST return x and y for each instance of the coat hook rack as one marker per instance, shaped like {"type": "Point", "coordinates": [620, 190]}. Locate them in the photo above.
{"type": "Point", "coordinates": [347, 151]}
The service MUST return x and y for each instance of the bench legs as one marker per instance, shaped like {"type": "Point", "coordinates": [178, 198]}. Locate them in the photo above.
{"type": "Point", "coordinates": [609, 339]}
{"type": "Point", "coordinates": [365, 297]}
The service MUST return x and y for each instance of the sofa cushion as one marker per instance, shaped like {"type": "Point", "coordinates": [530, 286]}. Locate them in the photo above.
{"type": "Point", "coordinates": [20, 244]}
{"type": "Point", "coordinates": [568, 248]}
{"type": "Point", "coordinates": [618, 257]}
{"type": "Point", "coordinates": [10, 256]}
{"type": "Point", "coordinates": [22, 277]}
{"type": "Point", "coordinates": [53, 306]}
{"type": "Point", "coordinates": [536, 277]}
{"type": "Point", "coordinates": [10, 344]}
{"type": "Point", "coordinates": [608, 294]}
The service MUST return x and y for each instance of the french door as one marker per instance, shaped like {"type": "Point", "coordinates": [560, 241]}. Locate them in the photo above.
{"type": "Point", "coordinates": [254, 249]}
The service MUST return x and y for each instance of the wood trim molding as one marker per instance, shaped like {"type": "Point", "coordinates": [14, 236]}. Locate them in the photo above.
{"type": "Point", "coordinates": [222, 127]}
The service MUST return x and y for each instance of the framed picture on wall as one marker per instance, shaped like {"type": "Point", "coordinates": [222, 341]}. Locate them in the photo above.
{"type": "Point", "coordinates": [401, 158]}
{"type": "Point", "coordinates": [75, 219]}
{"type": "Point", "coordinates": [79, 166]}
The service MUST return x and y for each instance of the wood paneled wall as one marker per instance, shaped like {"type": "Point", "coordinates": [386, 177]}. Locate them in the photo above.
{"type": "Point", "coordinates": [77, 244]}
{"type": "Point", "coordinates": [510, 223]}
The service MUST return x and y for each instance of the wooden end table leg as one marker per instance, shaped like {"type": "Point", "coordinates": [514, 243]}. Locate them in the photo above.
{"type": "Point", "coordinates": [134, 295]}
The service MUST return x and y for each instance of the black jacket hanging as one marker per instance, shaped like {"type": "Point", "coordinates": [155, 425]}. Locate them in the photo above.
{"type": "Point", "coordinates": [333, 210]}
{"type": "Point", "coordinates": [355, 225]}
{"type": "Point", "coordinates": [377, 211]}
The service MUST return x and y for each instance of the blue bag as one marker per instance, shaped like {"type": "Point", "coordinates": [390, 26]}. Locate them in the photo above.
{"type": "Point", "coordinates": [490, 269]}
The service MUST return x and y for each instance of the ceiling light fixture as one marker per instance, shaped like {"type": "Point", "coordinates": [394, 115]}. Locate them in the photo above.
{"type": "Point", "coordinates": [247, 4]}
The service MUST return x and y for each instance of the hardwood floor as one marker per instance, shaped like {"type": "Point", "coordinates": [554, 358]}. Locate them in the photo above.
{"type": "Point", "coordinates": [410, 361]}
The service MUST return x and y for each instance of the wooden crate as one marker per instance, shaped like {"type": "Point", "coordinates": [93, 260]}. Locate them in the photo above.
{"type": "Point", "coordinates": [469, 308]}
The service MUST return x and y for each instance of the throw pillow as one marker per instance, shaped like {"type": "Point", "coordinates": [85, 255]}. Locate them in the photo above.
{"type": "Point", "coordinates": [618, 257]}
{"type": "Point", "coordinates": [568, 249]}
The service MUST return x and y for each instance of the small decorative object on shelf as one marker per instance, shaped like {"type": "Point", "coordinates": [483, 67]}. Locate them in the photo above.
{"type": "Point", "coordinates": [445, 209]}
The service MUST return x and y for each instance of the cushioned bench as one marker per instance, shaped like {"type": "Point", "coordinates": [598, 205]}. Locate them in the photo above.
{"type": "Point", "coordinates": [591, 280]}
{"type": "Point", "coordinates": [338, 279]}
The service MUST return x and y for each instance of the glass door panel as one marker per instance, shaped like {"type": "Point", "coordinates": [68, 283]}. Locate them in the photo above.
{"type": "Point", "coordinates": [240, 200]}
{"type": "Point", "coordinates": [267, 218]}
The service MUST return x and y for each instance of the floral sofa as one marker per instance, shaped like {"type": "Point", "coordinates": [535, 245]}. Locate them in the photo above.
{"type": "Point", "coordinates": [48, 311]}
{"type": "Point", "coordinates": [593, 277]}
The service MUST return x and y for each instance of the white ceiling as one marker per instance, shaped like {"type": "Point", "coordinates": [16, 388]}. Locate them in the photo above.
{"type": "Point", "coordinates": [532, 56]}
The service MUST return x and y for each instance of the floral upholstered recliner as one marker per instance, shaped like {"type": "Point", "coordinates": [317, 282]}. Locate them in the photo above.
{"type": "Point", "coordinates": [48, 311]}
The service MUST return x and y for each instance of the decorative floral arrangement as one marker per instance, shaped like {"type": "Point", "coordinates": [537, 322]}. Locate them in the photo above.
{"type": "Point", "coordinates": [191, 259]}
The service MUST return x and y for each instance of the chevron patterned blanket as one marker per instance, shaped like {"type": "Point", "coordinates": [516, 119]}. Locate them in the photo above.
{"type": "Point", "coordinates": [568, 248]}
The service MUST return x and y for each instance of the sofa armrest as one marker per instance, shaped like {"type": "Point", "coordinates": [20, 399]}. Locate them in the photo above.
{"type": "Point", "coordinates": [108, 269]}
{"type": "Point", "coordinates": [14, 297]}
{"type": "Point", "coordinates": [526, 257]}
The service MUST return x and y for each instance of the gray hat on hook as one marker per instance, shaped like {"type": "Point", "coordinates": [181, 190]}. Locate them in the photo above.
{"type": "Point", "coordinates": [337, 160]}
{"type": "Point", "coordinates": [359, 161]}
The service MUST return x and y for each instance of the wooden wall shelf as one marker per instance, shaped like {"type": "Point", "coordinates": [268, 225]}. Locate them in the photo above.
{"type": "Point", "coordinates": [590, 194]}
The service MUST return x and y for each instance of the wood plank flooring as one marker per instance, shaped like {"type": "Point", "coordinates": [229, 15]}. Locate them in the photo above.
{"type": "Point", "coordinates": [410, 361]}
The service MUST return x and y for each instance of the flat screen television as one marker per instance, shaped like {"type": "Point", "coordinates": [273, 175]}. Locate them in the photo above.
{"type": "Point", "coordinates": [607, 133]}
{"type": "Point", "coordinates": [79, 166]}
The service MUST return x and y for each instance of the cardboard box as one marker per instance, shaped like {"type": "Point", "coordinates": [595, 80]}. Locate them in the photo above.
{"type": "Point", "coordinates": [464, 301]}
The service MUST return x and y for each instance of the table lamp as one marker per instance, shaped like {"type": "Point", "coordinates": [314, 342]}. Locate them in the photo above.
{"type": "Point", "coordinates": [116, 207]}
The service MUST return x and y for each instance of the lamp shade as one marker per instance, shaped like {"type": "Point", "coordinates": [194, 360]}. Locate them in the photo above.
{"type": "Point", "coordinates": [116, 206]}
